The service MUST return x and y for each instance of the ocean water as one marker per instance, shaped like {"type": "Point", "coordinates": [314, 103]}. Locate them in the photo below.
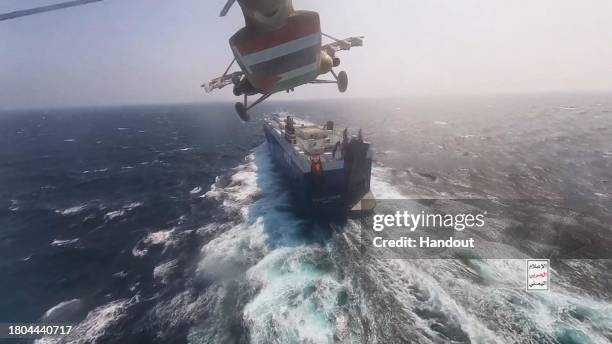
{"type": "Point", "coordinates": [155, 224]}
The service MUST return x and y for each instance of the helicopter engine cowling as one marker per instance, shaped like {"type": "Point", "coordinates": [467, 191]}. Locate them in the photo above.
{"type": "Point", "coordinates": [266, 15]}
{"type": "Point", "coordinates": [326, 64]}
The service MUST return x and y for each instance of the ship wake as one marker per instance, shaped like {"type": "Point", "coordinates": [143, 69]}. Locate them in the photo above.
{"type": "Point", "coordinates": [273, 268]}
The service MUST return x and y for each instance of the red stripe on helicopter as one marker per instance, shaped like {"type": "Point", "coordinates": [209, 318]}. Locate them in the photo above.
{"type": "Point", "coordinates": [297, 26]}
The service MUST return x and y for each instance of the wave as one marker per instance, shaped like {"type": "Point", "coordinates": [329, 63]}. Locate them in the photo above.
{"type": "Point", "coordinates": [96, 170]}
{"type": "Point", "coordinates": [96, 324]}
{"type": "Point", "coordinates": [162, 272]}
{"type": "Point", "coordinates": [120, 274]}
{"type": "Point", "coordinates": [61, 243]}
{"type": "Point", "coordinates": [62, 310]}
{"type": "Point", "coordinates": [121, 212]}
{"type": "Point", "coordinates": [114, 214]}
{"type": "Point", "coordinates": [133, 205]}
{"type": "Point", "coordinates": [72, 210]}
{"type": "Point", "coordinates": [166, 238]}
{"type": "Point", "coordinates": [380, 187]}
{"type": "Point", "coordinates": [14, 206]}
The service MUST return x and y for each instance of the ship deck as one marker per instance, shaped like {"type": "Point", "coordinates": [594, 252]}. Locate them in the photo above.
{"type": "Point", "coordinates": [330, 162]}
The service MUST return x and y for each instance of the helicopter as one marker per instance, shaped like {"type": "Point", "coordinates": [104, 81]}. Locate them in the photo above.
{"type": "Point", "coordinates": [277, 50]}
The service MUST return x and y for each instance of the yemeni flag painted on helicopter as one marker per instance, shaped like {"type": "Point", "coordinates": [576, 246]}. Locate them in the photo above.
{"type": "Point", "coordinates": [283, 58]}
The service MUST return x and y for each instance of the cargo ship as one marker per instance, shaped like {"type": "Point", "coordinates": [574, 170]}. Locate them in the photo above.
{"type": "Point", "coordinates": [328, 170]}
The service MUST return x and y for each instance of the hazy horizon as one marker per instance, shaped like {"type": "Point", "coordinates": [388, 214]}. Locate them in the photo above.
{"type": "Point", "coordinates": [137, 52]}
{"type": "Point", "coordinates": [564, 98]}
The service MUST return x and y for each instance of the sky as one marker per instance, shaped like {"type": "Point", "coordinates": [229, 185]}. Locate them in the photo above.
{"type": "Point", "coordinates": [120, 52]}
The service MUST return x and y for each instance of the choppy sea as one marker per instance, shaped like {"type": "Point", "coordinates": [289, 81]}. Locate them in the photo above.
{"type": "Point", "coordinates": [170, 224]}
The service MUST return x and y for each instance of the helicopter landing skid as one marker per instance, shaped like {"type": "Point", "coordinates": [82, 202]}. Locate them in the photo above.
{"type": "Point", "coordinates": [341, 79]}
{"type": "Point", "coordinates": [243, 108]}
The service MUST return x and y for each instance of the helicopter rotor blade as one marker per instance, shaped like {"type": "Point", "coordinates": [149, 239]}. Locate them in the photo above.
{"type": "Point", "coordinates": [227, 7]}
{"type": "Point", "coordinates": [48, 8]}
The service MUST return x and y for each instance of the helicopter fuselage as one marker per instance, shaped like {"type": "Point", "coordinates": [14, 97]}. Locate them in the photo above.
{"type": "Point", "coordinates": [281, 59]}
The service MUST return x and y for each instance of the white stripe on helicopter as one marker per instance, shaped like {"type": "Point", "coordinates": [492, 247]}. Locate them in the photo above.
{"type": "Point", "coordinates": [282, 49]}
{"type": "Point", "coordinates": [299, 72]}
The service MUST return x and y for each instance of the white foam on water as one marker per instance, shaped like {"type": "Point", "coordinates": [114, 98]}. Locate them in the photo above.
{"type": "Point", "coordinates": [165, 238]}
{"type": "Point", "coordinates": [162, 272]}
{"type": "Point", "coordinates": [296, 300]}
{"type": "Point", "coordinates": [497, 308]}
{"type": "Point", "coordinates": [67, 242]}
{"type": "Point", "coordinates": [382, 189]}
{"type": "Point", "coordinates": [134, 286]}
{"type": "Point", "coordinates": [133, 205]}
{"type": "Point", "coordinates": [241, 189]}
{"type": "Point", "coordinates": [240, 246]}
{"type": "Point", "coordinates": [53, 311]}
{"type": "Point", "coordinates": [95, 171]}
{"type": "Point", "coordinates": [196, 190]}
{"type": "Point", "coordinates": [549, 312]}
{"type": "Point", "coordinates": [114, 214]}
{"type": "Point", "coordinates": [425, 276]}
{"type": "Point", "coordinates": [14, 205]}
{"type": "Point", "coordinates": [120, 274]}
{"type": "Point", "coordinates": [92, 329]}
{"type": "Point", "coordinates": [124, 210]}
{"type": "Point", "coordinates": [72, 210]}
{"type": "Point", "coordinates": [139, 252]}
{"type": "Point", "coordinates": [100, 319]}
{"type": "Point", "coordinates": [487, 300]}
{"type": "Point", "coordinates": [158, 238]}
